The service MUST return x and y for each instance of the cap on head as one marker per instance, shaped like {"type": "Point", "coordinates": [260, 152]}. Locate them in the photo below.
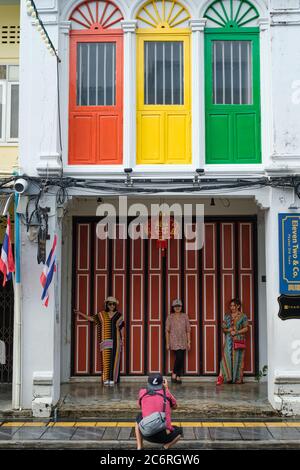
{"type": "Point", "coordinates": [112, 300]}
{"type": "Point", "coordinates": [155, 382]}
{"type": "Point", "coordinates": [177, 303]}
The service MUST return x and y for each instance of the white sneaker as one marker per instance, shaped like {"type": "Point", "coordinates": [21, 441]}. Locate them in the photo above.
{"type": "Point", "coordinates": [106, 382]}
{"type": "Point", "coordinates": [111, 382]}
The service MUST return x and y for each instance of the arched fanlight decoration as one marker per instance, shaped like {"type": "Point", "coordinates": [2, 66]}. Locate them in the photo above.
{"type": "Point", "coordinates": [163, 14]}
{"type": "Point", "coordinates": [94, 15]}
{"type": "Point", "coordinates": [231, 14]}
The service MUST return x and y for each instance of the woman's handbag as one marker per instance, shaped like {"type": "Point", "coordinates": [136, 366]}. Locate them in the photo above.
{"type": "Point", "coordinates": [239, 344]}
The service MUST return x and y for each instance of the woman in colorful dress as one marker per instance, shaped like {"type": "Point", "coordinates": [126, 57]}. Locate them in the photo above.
{"type": "Point", "coordinates": [178, 338]}
{"type": "Point", "coordinates": [110, 337]}
{"type": "Point", "coordinates": [235, 327]}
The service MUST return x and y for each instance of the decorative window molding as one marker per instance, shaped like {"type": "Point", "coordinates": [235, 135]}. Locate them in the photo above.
{"type": "Point", "coordinates": [96, 15]}
{"type": "Point", "coordinates": [231, 14]}
{"type": "Point", "coordinates": [163, 14]}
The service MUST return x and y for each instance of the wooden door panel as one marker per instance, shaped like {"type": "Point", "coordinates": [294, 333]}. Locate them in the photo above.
{"type": "Point", "coordinates": [82, 335]}
{"type": "Point", "coordinates": [210, 321]}
{"type": "Point", "coordinates": [137, 307]}
{"type": "Point", "coordinates": [173, 286]}
{"type": "Point", "coordinates": [155, 309]}
{"type": "Point", "coordinates": [192, 278]}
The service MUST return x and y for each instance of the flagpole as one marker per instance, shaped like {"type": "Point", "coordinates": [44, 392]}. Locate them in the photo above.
{"type": "Point", "coordinates": [17, 371]}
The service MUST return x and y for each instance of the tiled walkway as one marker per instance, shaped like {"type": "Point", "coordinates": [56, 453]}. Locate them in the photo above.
{"type": "Point", "coordinates": [113, 434]}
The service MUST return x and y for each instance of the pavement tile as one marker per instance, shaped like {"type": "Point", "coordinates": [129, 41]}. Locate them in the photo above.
{"type": "Point", "coordinates": [36, 424]}
{"type": "Point", "coordinates": [64, 424]}
{"type": "Point", "coordinates": [7, 433]}
{"type": "Point", "coordinates": [276, 425]}
{"type": "Point", "coordinates": [29, 433]}
{"type": "Point", "coordinates": [188, 434]}
{"type": "Point", "coordinates": [285, 433]}
{"type": "Point", "coordinates": [126, 425]}
{"type": "Point", "coordinates": [111, 434]}
{"type": "Point", "coordinates": [211, 424]}
{"type": "Point", "coordinates": [13, 424]}
{"type": "Point", "coordinates": [202, 434]}
{"type": "Point", "coordinates": [233, 425]}
{"type": "Point", "coordinates": [254, 425]}
{"type": "Point", "coordinates": [86, 424]}
{"type": "Point", "coordinates": [227, 434]}
{"type": "Point", "coordinates": [88, 434]}
{"type": "Point", "coordinates": [255, 434]}
{"type": "Point", "coordinates": [59, 434]}
{"type": "Point", "coordinates": [105, 424]}
{"type": "Point", "coordinates": [124, 434]}
{"type": "Point", "coordinates": [188, 424]}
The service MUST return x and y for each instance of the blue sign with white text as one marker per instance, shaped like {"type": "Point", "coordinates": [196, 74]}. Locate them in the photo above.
{"type": "Point", "coordinates": [289, 253]}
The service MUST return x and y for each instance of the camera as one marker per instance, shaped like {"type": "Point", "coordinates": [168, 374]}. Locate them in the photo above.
{"type": "Point", "coordinates": [21, 185]}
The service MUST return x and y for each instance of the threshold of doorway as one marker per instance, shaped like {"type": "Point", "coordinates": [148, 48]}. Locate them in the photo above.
{"type": "Point", "coordinates": [140, 378]}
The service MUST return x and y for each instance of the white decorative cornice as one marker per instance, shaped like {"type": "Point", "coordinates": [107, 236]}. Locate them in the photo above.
{"type": "Point", "coordinates": [65, 27]}
{"type": "Point", "coordinates": [49, 6]}
{"type": "Point", "coordinates": [50, 165]}
{"type": "Point", "coordinates": [263, 24]}
{"type": "Point", "coordinates": [286, 18]}
{"type": "Point", "coordinates": [198, 25]}
{"type": "Point", "coordinates": [262, 198]}
{"type": "Point", "coordinates": [129, 26]}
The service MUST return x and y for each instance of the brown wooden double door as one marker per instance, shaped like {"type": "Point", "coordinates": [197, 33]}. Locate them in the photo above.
{"type": "Point", "coordinates": [145, 284]}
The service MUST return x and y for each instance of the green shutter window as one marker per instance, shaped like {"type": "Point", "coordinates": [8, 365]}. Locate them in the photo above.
{"type": "Point", "coordinates": [233, 124]}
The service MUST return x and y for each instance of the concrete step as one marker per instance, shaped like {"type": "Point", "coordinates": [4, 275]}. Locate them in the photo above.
{"type": "Point", "coordinates": [131, 445]}
{"type": "Point", "coordinates": [185, 412]}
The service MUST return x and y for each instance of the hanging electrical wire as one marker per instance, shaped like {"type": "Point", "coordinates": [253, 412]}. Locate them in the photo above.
{"type": "Point", "coordinates": [62, 185]}
{"type": "Point", "coordinates": [33, 12]}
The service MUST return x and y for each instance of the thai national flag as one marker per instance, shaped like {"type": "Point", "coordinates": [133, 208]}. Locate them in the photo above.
{"type": "Point", "coordinates": [47, 274]}
{"type": "Point", "coordinates": [7, 264]}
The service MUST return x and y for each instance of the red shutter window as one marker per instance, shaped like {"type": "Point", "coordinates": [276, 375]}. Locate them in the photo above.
{"type": "Point", "coordinates": [96, 85]}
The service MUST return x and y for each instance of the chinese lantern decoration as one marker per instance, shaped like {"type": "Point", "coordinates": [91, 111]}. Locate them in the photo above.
{"type": "Point", "coordinates": [162, 229]}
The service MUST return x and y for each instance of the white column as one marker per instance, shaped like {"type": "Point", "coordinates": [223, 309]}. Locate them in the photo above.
{"type": "Point", "coordinates": [198, 93]}
{"type": "Point", "coordinates": [129, 120]}
{"type": "Point", "coordinates": [39, 146]}
{"type": "Point", "coordinates": [283, 336]}
{"type": "Point", "coordinates": [41, 326]}
{"type": "Point", "coordinates": [265, 93]}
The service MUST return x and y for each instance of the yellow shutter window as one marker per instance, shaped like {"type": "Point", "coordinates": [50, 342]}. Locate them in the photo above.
{"type": "Point", "coordinates": [163, 90]}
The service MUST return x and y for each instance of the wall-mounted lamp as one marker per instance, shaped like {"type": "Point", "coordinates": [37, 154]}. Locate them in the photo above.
{"type": "Point", "coordinates": [128, 172]}
{"type": "Point", "coordinates": [199, 172]}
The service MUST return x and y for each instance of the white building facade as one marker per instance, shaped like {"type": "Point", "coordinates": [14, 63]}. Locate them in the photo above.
{"type": "Point", "coordinates": [202, 94]}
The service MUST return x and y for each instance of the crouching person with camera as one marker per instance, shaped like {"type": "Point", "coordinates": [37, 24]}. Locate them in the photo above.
{"type": "Point", "coordinates": [154, 422]}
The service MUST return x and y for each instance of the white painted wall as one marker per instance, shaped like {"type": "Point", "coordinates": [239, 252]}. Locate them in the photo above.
{"type": "Point", "coordinates": [286, 92]}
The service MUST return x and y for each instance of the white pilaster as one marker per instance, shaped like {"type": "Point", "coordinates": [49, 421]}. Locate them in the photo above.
{"type": "Point", "coordinates": [41, 328]}
{"type": "Point", "coordinates": [283, 336]}
{"type": "Point", "coordinates": [129, 120]}
{"type": "Point", "coordinates": [198, 93]}
{"type": "Point", "coordinates": [266, 95]}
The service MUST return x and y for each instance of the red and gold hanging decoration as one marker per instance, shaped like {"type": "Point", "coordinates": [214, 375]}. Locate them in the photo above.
{"type": "Point", "coordinates": [162, 229]}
